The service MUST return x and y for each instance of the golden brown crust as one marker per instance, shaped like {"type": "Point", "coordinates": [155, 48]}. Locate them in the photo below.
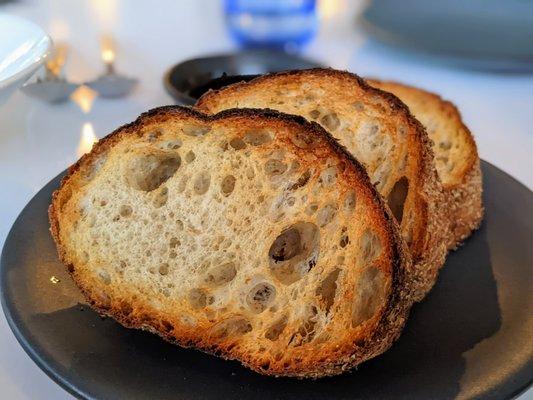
{"type": "Point", "coordinates": [463, 186]}
{"type": "Point", "coordinates": [429, 233]}
{"type": "Point", "coordinates": [378, 335]}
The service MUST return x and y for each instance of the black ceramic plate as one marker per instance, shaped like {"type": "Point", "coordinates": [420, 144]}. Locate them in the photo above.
{"type": "Point", "coordinates": [188, 80]}
{"type": "Point", "coordinates": [471, 337]}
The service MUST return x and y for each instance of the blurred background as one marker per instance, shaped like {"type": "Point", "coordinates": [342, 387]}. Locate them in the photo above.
{"type": "Point", "coordinates": [114, 59]}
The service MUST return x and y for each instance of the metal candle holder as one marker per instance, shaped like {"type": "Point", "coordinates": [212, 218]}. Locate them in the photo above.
{"type": "Point", "coordinates": [111, 84]}
{"type": "Point", "coordinates": [53, 87]}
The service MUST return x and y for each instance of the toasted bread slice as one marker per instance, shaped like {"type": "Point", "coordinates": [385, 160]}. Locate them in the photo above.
{"type": "Point", "coordinates": [249, 234]}
{"type": "Point", "coordinates": [456, 156]}
{"type": "Point", "coordinates": [377, 128]}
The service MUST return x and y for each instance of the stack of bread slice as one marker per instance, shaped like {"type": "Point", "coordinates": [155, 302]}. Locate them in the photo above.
{"type": "Point", "coordinates": [245, 229]}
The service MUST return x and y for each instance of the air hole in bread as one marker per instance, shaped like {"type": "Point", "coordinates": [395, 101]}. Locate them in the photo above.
{"type": "Point", "coordinates": [257, 137]}
{"type": "Point", "coordinates": [369, 295]}
{"type": "Point", "coordinates": [359, 106]}
{"type": "Point", "coordinates": [303, 140]}
{"type": "Point", "coordinates": [93, 169]}
{"type": "Point", "coordinates": [160, 197]}
{"type": "Point", "coordinates": [370, 246]}
{"type": "Point", "coordinates": [445, 145]}
{"type": "Point", "coordinates": [311, 209]}
{"type": "Point", "coordinates": [295, 166]}
{"type": "Point", "coordinates": [232, 327]}
{"type": "Point", "coordinates": [442, 159]}
{"type": "Point", "coordinates": [306, 331]}
{"type": "Point", "coordinates": [314, 114]}
{"type": "Point", "coordinates": [174, 242]}
{"type": "Point", "coordinates": [237, 143]}
{"type": "Point", "coordinates": [302, 180]}
{"type": "Point", "coordinates": [330, 121]}
{"type": "Point", "coordinates": [276, 329]}
{"type": "Point", "coordinates": [163, 269]}
{"type": "Point", "coordinates": [196, 129]}
{"type": "Point", "coordinates": [170, 144]}
{"type": "Point", "coordinates": [227, 185]}
{"type": "Point", "coordinates": [349, 201]}
{"type": "Point", "coordinates": [345, 239]}
{"type": "Point", "coordinates": [397, 196]}
{"type": "Point", "coordinates": [221, 274]}
{"type": "Point", "coordinates": [190, 156]}
{"type": "Point", "coordinates": [197, 298]}
{"type": "Point", "coordinates": [260, 297]}
{"type": "Point", "coordinates": [125, 211]}
{"type": "Point", "coordinates": [294, 252]}
{"type": "Point", "coordinates": [286, 246]}
{"type": "Point", "coordinates": [275, 167]}
{"type": "Point", "coordinates": [326, 215]}
{"type": "Point", "coordinates": [328, 289]}
{"type": "Point", "coordinates": [152, 136]}
{"type": "Point", "coordinates": [402, 130]}
{"type": "Point", "coordinates": [451, 166]}
{"type": "Point", "coordinates": [167, 326]}
{"type": "Point", "coordinates": [329, 176]}
{"type": "Point", "coordinates": [224, 146]}
{"type": "Point", "coordinates": [147, 172]}
{"type": "Point", "coordinates": [201, 183]}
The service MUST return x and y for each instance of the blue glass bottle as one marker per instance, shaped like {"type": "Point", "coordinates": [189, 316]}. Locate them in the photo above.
{"type": "Point", "coordinates": [275, 24]}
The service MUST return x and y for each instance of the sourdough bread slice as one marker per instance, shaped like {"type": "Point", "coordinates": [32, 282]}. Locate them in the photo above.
{"type": "Point", "coordinates": [249, 234]}
{"type": "Point", "coordinates": [377, 128]}
{"type": "Point", "coordinates": [456, 156]}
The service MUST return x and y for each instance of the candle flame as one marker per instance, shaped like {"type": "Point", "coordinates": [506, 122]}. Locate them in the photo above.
{"type": "Point", "coordinates": [57, 61]}
{"type": "Point", "coordinates": [84, 97]}
{"type": "Point", "coordinates": [87, 139]}
{"type": "Point", "coordinates": [108, 49]}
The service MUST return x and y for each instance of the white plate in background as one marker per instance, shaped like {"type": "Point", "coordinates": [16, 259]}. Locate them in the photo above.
{"type": "Point", "coordinates": [23, 48]}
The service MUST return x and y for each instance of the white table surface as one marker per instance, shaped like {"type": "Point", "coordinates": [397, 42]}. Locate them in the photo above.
{"type": "Point", "coordinates": [37, 141]}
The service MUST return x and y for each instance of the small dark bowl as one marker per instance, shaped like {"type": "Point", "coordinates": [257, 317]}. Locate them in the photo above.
{"type": "Point", "coordinates": [187, 81]}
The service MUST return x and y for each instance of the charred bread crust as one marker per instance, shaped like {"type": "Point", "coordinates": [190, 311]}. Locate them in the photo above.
{"type": "Point", "coordinates": [392, 317]}
{"type": "Point", "coordinates": [464, 194]}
